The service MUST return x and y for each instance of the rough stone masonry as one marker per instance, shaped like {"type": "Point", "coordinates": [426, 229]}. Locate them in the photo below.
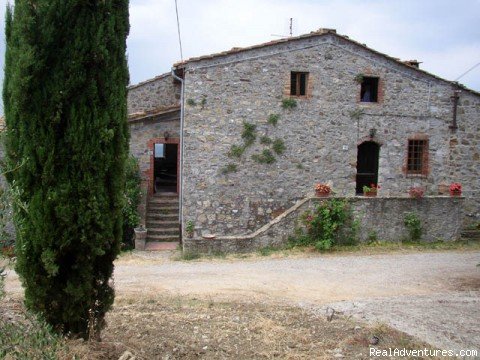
{"type": "Point", "coordinates": [321, 134]}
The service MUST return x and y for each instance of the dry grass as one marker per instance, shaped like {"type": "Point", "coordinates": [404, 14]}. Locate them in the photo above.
{"type": "Point", "coordinates": [189, 328]}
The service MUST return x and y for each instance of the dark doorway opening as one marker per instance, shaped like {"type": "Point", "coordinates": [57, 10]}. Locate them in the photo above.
{"type": "Point", "coordinates": [367, 165]}
{"type": "Point", "coordinates": [165, 168]}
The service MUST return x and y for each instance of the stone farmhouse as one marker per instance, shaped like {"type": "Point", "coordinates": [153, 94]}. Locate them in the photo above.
{"type": "Point", "coordinates": [231, 144]}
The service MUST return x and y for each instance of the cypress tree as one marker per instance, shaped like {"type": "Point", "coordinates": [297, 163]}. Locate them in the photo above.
{"type": "Point", "coordinates": [67, 142]}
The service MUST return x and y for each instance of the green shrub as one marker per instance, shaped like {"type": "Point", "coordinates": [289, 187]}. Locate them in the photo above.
{"type": "Point", "coordinates": [29, 338]}
{"type": "Point", "coordinates": [273, 119]}
{"type": "Point", "coordinates": [266, 251]}
{"type": "Point", "coordinates": [266, 157]}
{"type": "Point", "coordinates": [330, 223]}
{"type": "Point", "coordinates": [133, 193]}
{"type": "Point", "coordinates": [265, 140]}
{"type": "Point", "coordinates": [289, 103]}
{"type": "Point", "coordinates": [278, 146]}
{"type": "Point", "coordinates": [414, 226]}
{"type": "Point", "coordinates": [236, 151]}
{"type": "Point", "coordinates": [249, 133]}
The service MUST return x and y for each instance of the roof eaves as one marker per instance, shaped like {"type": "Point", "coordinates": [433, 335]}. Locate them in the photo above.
{"type": "Point", "coordinates": [142, 115]}
{"type": "Point", "coordinates": [159, 77]}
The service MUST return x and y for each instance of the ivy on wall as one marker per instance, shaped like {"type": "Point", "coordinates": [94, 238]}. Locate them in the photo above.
{"type": "Point", "coordinates": [272, 148]}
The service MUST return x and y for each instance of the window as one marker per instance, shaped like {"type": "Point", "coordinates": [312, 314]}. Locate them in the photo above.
{"type": "Point", "coordinates": [159, 151]}
{"type": "Point", "coordinates": [417, 159]}
{"type": "Point", "coordinates": [369, 90]}
{"type": "Point", "coordinates": [298, 83]}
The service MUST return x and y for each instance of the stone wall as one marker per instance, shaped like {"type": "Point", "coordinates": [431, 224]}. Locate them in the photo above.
{"type": "Point", "coordinates": [321, 134]}
{"type": "Point", "coordinates": [153, 94]}
{"type": "Point", "coordinates": [142, 131]}
{"type": "Point", "coordinates": [441, 219]}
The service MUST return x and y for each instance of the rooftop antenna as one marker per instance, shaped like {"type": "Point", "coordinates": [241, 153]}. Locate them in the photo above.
{"type": "Point", "coordinates": [291, 31]}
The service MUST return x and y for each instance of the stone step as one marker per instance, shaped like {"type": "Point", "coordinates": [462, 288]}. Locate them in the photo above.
{"type": "Point", "coordinates": [156, 197]}
{"type": "Point", "coordinates": [165, 211]}
{"type": "Point", "coordinates": [153, 206]}
{"type": "Point", "coordinates": [163, 200]}
{"type": "Point", "coordinates": [165, 194]}
{"type": "Point", "coordinates": [163, 231]}
{"type": "Point", "coordinates": [470, 234]}
{"type": "Point", "coordinates": [164, 223]}
{"type": "Point", "coordinates": [162, 217]}
{"type": "Point", "coordinates": [162, 238]}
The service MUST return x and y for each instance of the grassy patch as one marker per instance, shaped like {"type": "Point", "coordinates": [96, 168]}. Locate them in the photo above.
{"type": "Point", "coordinates": [289, 103]}
{"type": "Point", "coordinates": [265, 157]}
{"type": "Point", "coordinates": [236, 151]}
{"type": "Point", "coordinates": [266, 251]}
{"type": "Point", "coordinates": [273, 119]}
{"type": "Point", "coordinates": [278, 146]}
{"type": "Point", "coordinates": [188, 256]}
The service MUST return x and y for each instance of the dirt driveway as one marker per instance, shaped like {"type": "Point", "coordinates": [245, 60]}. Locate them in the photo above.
{"type": "Point", "coordinates": [434, 296]}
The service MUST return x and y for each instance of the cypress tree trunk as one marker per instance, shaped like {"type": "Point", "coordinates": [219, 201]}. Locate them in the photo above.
{"type": "Point", "coordinates": [67, 141]}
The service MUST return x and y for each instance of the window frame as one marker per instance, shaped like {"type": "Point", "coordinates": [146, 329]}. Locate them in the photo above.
{"type": "Point", "coordinates": [155, 151]}
{"type": "Point", "coordinates": [298, 83]}
{"type": "Point", "coordinates": [377, 90]}
{"type": "Point", "coordinates": [416, 162]}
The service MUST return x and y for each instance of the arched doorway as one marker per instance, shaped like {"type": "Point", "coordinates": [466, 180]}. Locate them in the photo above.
{"type": "Point", "coordinates": [367, 165]}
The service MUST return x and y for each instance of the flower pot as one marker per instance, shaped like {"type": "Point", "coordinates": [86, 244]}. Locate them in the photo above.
{"type": "Point", "coordinates": [455, 193]}
{"type": "Point", "coordinates": [140, 238]}
{"type": "Point", "coordinates": [322, 194]}
{"type": "Point", "coordinates": [370, 194]}
{"type": "Point", "coordinates": [442, 189]}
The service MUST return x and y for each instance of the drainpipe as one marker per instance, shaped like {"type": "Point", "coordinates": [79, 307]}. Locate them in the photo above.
{"type": "Point", "coordinates": [455, 98]}
{"type": "Point", "coordinates": [180, 195]}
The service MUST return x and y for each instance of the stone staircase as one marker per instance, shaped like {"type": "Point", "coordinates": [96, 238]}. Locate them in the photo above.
{"type": "Point", "coordinates": [162, 218]}
{"type": "Point", "coordinates": [471, 234]}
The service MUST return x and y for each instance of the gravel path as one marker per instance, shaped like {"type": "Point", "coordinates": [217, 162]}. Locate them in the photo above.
{"type": "Point", "coordinates": [434, 296]}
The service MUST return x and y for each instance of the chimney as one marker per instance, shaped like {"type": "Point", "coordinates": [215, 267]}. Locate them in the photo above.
{"type": "Point", "coordinates": [324, 31]}
{"type": "Point", "coordinates": [413, 63]}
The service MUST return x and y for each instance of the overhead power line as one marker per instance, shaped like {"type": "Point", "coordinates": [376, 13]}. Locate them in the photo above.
{"type": "Point", "coordinates": [466, 72]}
{"type": "Point", "coordinates": [178, 28]}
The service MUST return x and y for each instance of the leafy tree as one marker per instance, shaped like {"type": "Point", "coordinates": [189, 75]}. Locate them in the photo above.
{"type": "Point", "coordinates": [67, 140]}
{"type": "Point", "coordinates": [133, 193]}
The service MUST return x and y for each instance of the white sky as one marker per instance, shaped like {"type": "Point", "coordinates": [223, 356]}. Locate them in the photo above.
{"type": "Point", "coordinates": [443, 34]}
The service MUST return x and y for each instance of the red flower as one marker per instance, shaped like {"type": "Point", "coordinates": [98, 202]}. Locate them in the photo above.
{"type": "Point", "coordinates": [455, 187]}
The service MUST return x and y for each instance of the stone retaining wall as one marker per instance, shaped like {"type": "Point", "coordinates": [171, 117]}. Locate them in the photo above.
{"type": "Point", "coordinates": [441, 219]}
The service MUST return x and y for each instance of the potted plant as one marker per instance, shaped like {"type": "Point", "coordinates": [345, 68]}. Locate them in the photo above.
{"type": "Point", "coordinates": [370, 190]}
{"type": "Point", "coordinates": [190, 228]}
{"type": "Point", "coordinates": [416, 192]}
{"type": "Point", "coordinates": [443, 188]}
{"type": "Point", "coordinates": [140, 237]}
{"type": "Point", "coordinates": [455, 189]}
{"type": "Point", "coordinates": [322, 190]}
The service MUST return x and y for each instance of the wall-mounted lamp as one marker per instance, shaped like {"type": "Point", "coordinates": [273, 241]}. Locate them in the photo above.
{"type": "Point", "coordinates": [372, 133]}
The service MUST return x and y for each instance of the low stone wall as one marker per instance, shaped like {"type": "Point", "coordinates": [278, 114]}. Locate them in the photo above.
{"type": "Point", "coordinates": [441, 219]}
